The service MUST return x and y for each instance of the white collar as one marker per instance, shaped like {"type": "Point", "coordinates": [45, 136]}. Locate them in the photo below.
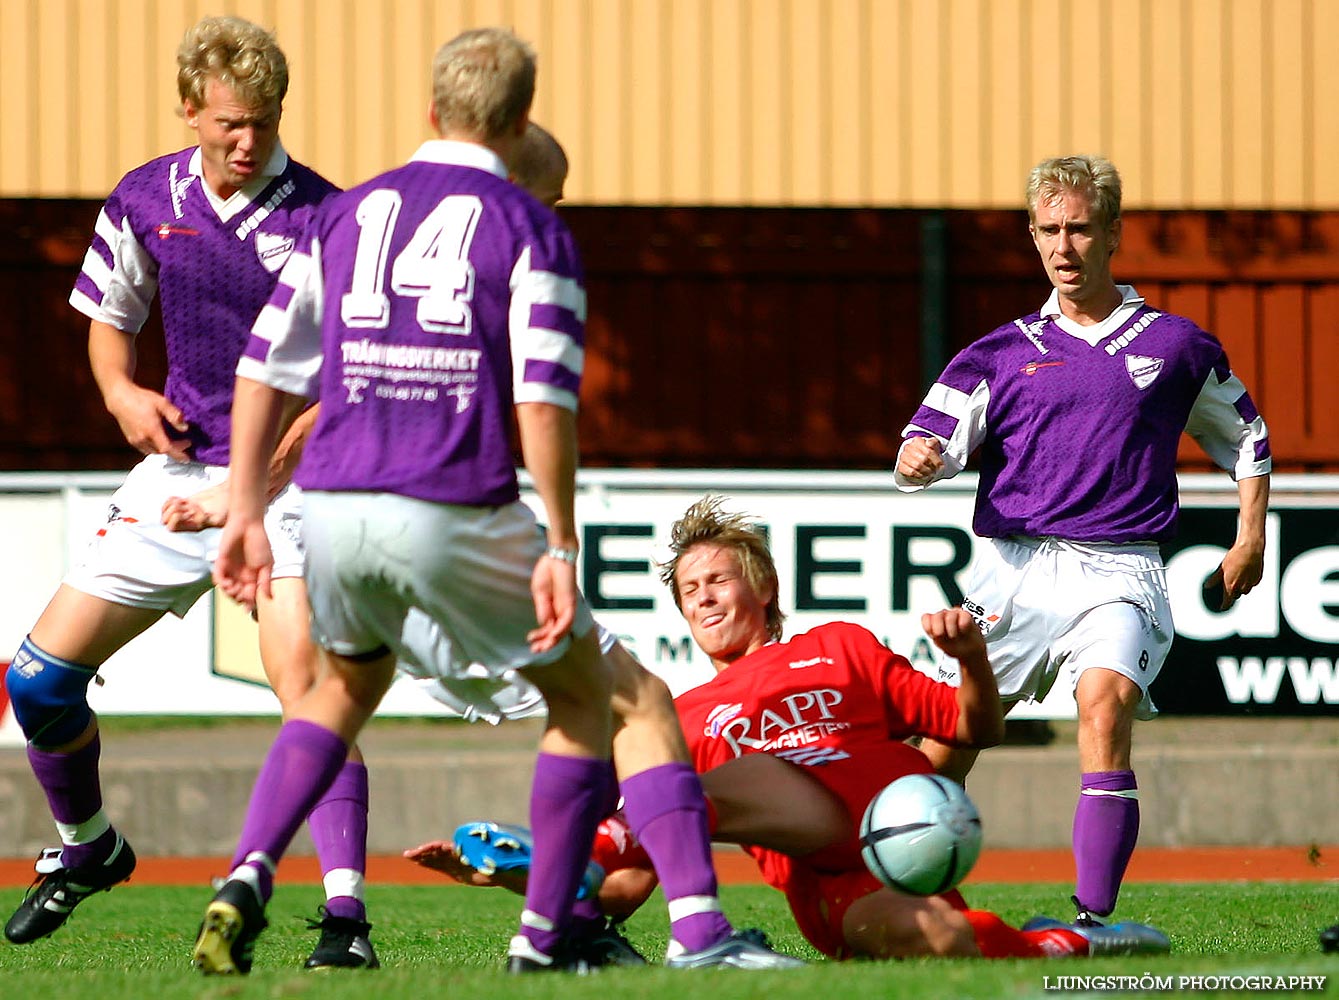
{"type": "Point", "coordinates": [244, 195]}
{"type": "Point", "coordinates": [460, 154]}
{"type": "Point", "coordinates": [1098, 332]}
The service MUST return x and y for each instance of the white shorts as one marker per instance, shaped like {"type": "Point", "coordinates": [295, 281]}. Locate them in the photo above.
{"type": "Point", "coordinates": [475, 695]}
{"type": "Point", "coordinates": [134, 560]}
{"type": "Point", "coordinates": [377, 560]}
{"type": "Point", "coordinates": [1047, 604]}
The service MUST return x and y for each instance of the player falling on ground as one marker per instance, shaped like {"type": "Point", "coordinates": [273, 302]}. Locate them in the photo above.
{"type": "Point", "coordinates": [205, 229]}
{"type": "Point", "coordinates": [424, 308]}
{"type": "Point", "coordinates": [1077, 411]}
{"type": "Point", "coordinates": [794, 738]}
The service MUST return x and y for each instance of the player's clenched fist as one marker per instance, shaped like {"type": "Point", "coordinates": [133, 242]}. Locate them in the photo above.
{"type": "Point", "coordinates": [955, 632]}
{"type": "Point", "coordinates": [920, 459]}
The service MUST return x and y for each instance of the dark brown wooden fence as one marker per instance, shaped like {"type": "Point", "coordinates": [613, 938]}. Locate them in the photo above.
{"type": "Point", "coordinates": [766, 338]}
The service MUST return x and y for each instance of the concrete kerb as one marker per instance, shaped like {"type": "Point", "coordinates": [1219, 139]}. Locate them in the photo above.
{"type": "Point", "coordinates": [184, 792]}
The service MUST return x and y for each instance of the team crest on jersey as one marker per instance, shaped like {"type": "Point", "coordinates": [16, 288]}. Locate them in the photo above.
{"type": "Point", "coordinates": [1142, 370]}
{"type": "Point", "coordinates": [719, 717]}
{"type": "Point", "coordinates": [273, 250]}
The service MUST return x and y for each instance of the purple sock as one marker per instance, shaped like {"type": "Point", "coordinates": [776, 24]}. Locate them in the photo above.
{"type": "Point", "coordinates": [338, 825]}
{"type": "Point", "coordinates": [300, 766]}
{"type": "Point", "coordinates": [666, 810]}
{"type": "Point", "coordinates": [586, 913]}
{"type": "Point", "coordinates": [565, 803]}
{"type": "Point", "coordinates": [74, 795]}
{"type": "Point", "coordinates": [1106, 827]}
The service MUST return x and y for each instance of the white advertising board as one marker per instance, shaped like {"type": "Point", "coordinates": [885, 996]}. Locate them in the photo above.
{"type": "Point", "coordinates": [848, 546]}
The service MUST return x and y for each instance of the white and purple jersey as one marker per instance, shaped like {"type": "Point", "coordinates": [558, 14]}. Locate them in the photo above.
{"type": "Point", "coordinates": [1078, 426]}
{"type": "Point", "coordinates": [213, 263]}
{"type": "Point", "coordinates": [423, 305]}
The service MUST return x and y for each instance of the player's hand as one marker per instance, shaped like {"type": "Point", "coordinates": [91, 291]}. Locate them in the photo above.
{"type": "Point", "coordinates": [206, 509]}
{"type": "Point", "coordinates": [955, 632]}
{"type": "Point", "coordinates": [442, 856]}
{"type": "Point", "coordinates": [1241, 569]}
{"type": "Point", "coordinates": [920, 459]}
{"type": "Point", "coordinates": [242, 567]}
{"type": "Point", "coordinates": [144, 417]}
{"type": "Point", "coordinates": [553, 585]}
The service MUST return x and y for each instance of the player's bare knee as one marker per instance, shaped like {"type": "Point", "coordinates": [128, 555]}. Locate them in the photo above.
{"type": "Point", "coordinates": [289, 691]}
{"type": "Point", "coordinates": [952, 762]}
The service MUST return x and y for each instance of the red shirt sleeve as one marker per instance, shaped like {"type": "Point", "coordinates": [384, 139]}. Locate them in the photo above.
{"type": "Point", "coordinates": [913, 704]}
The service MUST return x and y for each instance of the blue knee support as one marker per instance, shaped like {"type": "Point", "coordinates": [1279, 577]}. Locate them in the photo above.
{"type": "Point", "coordinates": [50, 696]}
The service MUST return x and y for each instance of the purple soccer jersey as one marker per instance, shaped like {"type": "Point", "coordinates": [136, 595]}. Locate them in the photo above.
{"type": "Point", "coordinates": [1079, 437]}
{"type": "Point", "coordinates": [212, 269]}
{"type": "Point", "coordinates": [425, 304]}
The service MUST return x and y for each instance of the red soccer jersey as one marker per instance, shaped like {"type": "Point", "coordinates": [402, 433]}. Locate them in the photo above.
{"type": "Point", "coordinates": [829, 696]}
{"type": "Point", "coordinates": [838, 703]}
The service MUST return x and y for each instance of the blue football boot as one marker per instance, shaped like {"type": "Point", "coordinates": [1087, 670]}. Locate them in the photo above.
{"type": "Point", "coordinates": [502, 847]}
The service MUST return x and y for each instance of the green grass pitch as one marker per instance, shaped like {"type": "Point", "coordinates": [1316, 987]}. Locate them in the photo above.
{"type": "Point", "coordinates": [449, 941]}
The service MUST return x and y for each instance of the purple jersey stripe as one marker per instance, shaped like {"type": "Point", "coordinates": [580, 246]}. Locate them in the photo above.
{"type": "Point", "coordinates": [84, 285]}
{"type": "Point", "coordinates": [283, 295]}
{"type": "Point", "coordinates": [99, 246]}
{"type": "Point", "coordinates": [546, 316]}
{"type": "Point", "coordinates": [549, 373]}
{"type": "Point", "coordinates": [1245, 407]}
{"type": "Point", "coordinates": [257, 348]}
{"type": "Point", "coordinates": [935, 422]}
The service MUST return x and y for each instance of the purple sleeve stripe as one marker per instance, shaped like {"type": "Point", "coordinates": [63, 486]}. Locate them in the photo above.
{"type": "Point", "coordinates": [552, 374]}
{"type": "Point", "coordinates": [547, 316]}
{"type": "Point", "coordinates": [281, 296]}
{"type": "Point", "coordinates": [1245, 408]}
{"type": "Point", "coordinates": [99, 246]}
{"type": "Point", "coordinates": [1222, 371]}
{"type": "Point", "coordinates": [84, 285]}
{"type": "Point", "coordinates": [935, 422]}
{"type": "Point", "coordinates": [1262, 451]}
{"type": "Point", "coordinates": [257, 348]}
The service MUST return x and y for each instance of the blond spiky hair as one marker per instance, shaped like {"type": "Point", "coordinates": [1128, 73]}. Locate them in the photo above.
{"type": "Point", "coordinates": [706, 523]}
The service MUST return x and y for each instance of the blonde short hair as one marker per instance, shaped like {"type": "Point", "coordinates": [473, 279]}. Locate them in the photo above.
{"type": "Point", "coordinates": [241, 55]}
{"type": "Point", "coordinates": [1095, 177]}
{"type": "Point", "coordinates": [483, 81]}
{"type": "Point", "coordinates": [706, 523]}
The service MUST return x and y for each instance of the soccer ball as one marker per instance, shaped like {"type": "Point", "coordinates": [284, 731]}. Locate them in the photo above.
{"type": "Point", "coordinates": [921, 834]}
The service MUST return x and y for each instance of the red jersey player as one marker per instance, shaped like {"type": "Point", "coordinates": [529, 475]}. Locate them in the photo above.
{"type": "Point", "coordinates": [794, 738]}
